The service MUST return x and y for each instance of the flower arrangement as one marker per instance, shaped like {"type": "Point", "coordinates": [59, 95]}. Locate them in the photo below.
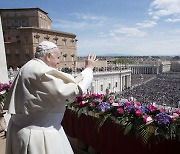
{"type": "Point", "coordinates": [4, 88]}
{"type": "Point", "coordinates": [145, 121]}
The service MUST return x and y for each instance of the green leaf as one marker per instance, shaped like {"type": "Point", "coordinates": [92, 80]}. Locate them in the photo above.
{"type": "Point", "coordinates": [79, 112]}
{"type": "Point", "coordinates": [86, 110]}
{"type": "Point", "coordinates": [102, 119]}
{"type": "Point", "coordinates": [128, 128]}
{"type": "Point", "coordinates": [146, 133]}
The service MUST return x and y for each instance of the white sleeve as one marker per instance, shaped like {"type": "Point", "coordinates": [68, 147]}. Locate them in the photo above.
{"type": "Point", "coordinates": [87, 79]}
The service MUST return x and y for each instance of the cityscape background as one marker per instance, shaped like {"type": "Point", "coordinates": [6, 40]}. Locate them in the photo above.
{"type": "Point", "coordinates": [137, 43]}
{"type": "Point", "coordinates": [114, 27]}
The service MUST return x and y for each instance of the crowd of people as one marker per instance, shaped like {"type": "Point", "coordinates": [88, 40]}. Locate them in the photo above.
{"type": "Point", "coordinates": [138, 79]}
{"type": "Point", "coordinates": [164, 89]}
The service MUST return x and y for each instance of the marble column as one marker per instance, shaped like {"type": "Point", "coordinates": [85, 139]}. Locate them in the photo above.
{"type": "Point", "coordinates": [3, 64]}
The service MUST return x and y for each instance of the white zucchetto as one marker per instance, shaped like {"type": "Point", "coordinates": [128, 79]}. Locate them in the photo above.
{"type": "Point", "coordinates": [44, 48]}
{"type": "Point", "coordinates": [45, 45]}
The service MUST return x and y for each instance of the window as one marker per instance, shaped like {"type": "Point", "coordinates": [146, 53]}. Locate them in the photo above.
{"type": "Point", "coordinates": [72, 56]}
{"type": "Point", "coordinates": [27, 51]}
{"type": "Point", "coordinates": [116, 84]}
{"type": "Point", "coordinates": [46, 37]}
{"type": "Point", "coordinates": [109, 85]}
{"type": "Point", "coordinates": [65, 56]}
{"type": "Point", "coordinates": [36, 36]}
{"type": "Point", "coordinates": [24, 23]}
{"type": "Point", "coordinates": [92, 88]}
{"type": "Point", "coordinates": [17, 52]}
{"type": "Point", "coordinates": [26, 39]}
{"type": "Point", "coordinates": [17, 55]}
{"type": "Point", "coordinates": [27, 55]}
{"type": "Point", "coordinates": [16, 23]}
{"type": "Point", "coordinates": [72, 41]}
{"type": "Point", "coordinates": [64, 40]}
{"type": "Point", "coordinates": [8, 23]}
{"type": "Point", "coordinates": [8, 55]}
{"type": "Point", "coordinates": [101, 87]}
{"type": "Point", "coordinates": [55, 39]}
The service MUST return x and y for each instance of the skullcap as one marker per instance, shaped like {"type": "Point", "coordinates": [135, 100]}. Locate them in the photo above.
{"type": "Point", "coordinates": [45, 45]}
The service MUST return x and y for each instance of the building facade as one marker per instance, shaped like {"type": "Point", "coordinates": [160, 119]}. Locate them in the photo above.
{"type": "Point", "coordinates": [113, 81]}
{"type": "Point", "coordinates": [25, 28]}
{"type": "Point", "coordinates": [144, 69]}
{"type": "Point", "coordinates": [175, 66]}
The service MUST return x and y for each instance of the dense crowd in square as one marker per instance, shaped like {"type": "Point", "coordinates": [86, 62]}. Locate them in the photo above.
{"type": "Point", "coordinates": [163, 89]}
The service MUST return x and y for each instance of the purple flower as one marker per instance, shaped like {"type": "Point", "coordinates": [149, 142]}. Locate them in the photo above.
{"type": "Point", "coordinates": [103, 106]}
{"type": "Point", "coordinates": [144, 109]}
{"type": "Point", "coordinates": [121, 103]}
{"type": "Point", "coordinates": [162, 119]}
{"type": "Point", "coordinates": [97, 100]}
{"type": "Point", "coordinates": [130, 108]}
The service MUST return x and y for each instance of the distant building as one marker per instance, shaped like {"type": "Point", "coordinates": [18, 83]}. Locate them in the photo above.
{"type": "Point", "coordinates": [165, 66]}
{"type": "Point", "coordinates": [144, 68]}
{"type": "Point", "coordinates": [24, 28]}
{"type": "Point", "coordinates": [113, 81]}
{"type": "Point", "coordinates": [175, 66]}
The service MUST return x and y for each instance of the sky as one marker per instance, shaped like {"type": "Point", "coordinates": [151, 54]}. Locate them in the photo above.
{"type": "Point", "coordinates": [122, 27]}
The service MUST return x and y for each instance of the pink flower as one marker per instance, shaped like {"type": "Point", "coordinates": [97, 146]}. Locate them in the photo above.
{"type": "Point", "coordinates": [147, 119]}
{"type": "Point", "coordinates": [84, 96]}
{"type": "Point", "coordinates": [127, 103]}
{"type": "Point", "coordinates": [152, 108]}
{"type": "Point", "coordinates": [162, 110]}
{"type": "Point", "coordinates": [177, 111]}
{"type": "Point", "coordinates": [1, 86]}
{"type": "Point", "coordinates": [81, 104]}
{"type": "Point", "coordinates": [137, 105]}
{"type": "Point", "coordinates": [138, 113]}
{"type": "Point", "coordinates": [94, 95]}
{"type": "Point", "coordinates": [91, 104]}
{"type": "Point", "coordinates": [174, 116]}
{"type": "Point", "coordinates": [115, 104]}
{"type": "Point", "coordinates": [110, 100]}
{"type": "Point", "coordinates": [76, 100]}
{"type": "Point", "coordinates": [120, 110]}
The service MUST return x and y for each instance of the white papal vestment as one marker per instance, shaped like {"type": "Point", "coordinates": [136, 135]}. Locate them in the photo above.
{"type": "Point", "coordinates": [37, 104]}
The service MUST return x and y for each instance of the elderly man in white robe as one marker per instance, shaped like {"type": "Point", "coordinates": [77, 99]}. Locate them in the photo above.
{"type": "Point", "coordinates": [36, 102]}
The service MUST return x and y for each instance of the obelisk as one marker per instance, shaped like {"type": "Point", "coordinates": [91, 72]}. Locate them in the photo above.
{"type": "Point", "coordinates": [3, 64]}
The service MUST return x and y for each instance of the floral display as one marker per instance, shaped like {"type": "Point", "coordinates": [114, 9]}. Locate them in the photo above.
{"type": "Point", "coordinates": [144, 121]}
{"type": "Point", "coordinates": [4, 88]}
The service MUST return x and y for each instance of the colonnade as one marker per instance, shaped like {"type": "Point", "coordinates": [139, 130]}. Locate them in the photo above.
{"type": "Point", "coordinates": [145, 69]}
